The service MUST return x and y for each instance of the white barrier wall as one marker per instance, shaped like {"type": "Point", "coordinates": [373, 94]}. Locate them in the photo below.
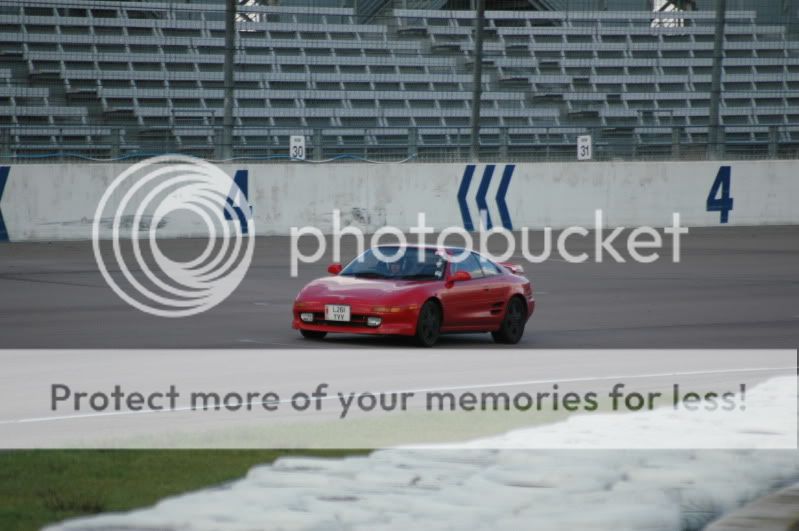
{"type": "Point", "coordinates": [58, 201]}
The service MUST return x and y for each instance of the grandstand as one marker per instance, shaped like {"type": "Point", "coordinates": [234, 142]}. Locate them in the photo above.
{"type": "Point", "coordinates": [385, 80]}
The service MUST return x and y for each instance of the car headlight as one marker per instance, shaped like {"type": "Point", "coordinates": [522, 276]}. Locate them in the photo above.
{"type": "Point", "coordinates": [373, 321]}
{"type": "Point", "coordinates": [306, 317]}
{"type": "Point", "coordinates": [393, 309]}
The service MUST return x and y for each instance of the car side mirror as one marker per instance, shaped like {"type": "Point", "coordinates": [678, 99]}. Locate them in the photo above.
{"type": "Point", "coordinates": [334, 268]}
{"type": "Point", "coordinates": [460, 276]}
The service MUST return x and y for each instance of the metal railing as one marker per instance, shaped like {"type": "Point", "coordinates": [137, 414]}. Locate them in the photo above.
{"type": "Point", "coordinates": [424, 144]}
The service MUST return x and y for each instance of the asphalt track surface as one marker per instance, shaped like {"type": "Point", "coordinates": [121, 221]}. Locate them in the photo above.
{"type": "Point", "coordinates": [735, 287]}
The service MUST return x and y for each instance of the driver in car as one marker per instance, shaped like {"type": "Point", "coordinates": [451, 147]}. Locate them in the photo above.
{"type": "Point", "coordinates": [395, 268]}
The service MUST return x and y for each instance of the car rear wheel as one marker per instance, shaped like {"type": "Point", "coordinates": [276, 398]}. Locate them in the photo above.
{"type": "Point", "coordinates": [312, 334]}
{"type": "Point", "coordinates": [512, 328]}
{"type": "Point", "coordinates": [428, 328]}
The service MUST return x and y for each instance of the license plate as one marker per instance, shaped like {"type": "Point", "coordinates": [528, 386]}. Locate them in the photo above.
{"type": "Point", "coordinates": [337, 312]}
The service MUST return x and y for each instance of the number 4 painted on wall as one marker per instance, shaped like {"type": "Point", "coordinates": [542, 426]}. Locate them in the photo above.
{"type": "Point", "coordinates": [238, 200]}
{"type": "Point", "coordinates": [719, 200]}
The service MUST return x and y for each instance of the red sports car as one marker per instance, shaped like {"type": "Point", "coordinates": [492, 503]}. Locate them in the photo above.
{"type": "Point", "coordinates": [417, 291]}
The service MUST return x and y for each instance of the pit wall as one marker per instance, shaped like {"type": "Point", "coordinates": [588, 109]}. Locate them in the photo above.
{"type": "Point", "coordinates": [58, 201]}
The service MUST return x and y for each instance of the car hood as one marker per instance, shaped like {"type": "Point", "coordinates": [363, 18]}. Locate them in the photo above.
{"type": "Point", "coordinates": [351, 288]}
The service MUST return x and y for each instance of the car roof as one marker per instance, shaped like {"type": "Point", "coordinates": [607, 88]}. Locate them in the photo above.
{"type": "Point", "coordinates": [448, 248]}
{"type": "Point", "coordinates": [433, 247]}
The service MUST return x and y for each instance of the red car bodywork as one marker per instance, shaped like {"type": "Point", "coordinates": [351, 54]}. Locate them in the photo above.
{"type": "Point", "coordinates": [474, 305]}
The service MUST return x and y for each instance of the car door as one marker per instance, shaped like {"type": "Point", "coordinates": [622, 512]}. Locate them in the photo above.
{"type": "Point", "coordinates": [466, 303]}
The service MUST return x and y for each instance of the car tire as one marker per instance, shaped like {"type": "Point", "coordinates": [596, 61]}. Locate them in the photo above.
{"type": "Point", "coordinates": [312, 334]}
{"type": "Point", "coordinates": [512, 328]}
{"type": "Point", "coordinates": [428, 326]}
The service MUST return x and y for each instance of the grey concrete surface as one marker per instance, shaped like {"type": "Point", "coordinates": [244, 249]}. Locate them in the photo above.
{"type": "Point", "coordinates": [778, 511]}
{"type": "Point", "coordinates": [734, 288]}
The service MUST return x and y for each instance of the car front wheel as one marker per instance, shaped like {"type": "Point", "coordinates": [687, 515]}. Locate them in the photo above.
{"type": "Point", "coordinates": [512, 328]}
{"type": "Point", "coordinates": [428, 327]}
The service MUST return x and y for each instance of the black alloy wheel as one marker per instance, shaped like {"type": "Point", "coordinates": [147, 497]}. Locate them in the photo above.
{"type": "Point", "coordinates": [428, 328]}
{"type": "Point", "coordinates": [512, 328]}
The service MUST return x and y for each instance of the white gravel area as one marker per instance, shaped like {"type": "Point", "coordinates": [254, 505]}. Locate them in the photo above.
{"type": "Point", "coordinates": [492, 484]}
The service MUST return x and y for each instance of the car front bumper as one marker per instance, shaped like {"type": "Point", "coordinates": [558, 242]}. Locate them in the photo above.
{"type": "Point", "coordinates": [395, 320]}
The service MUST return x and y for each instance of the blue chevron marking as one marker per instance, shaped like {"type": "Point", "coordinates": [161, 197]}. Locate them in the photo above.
{"type": "Point", "coordinates": [501, 193]}
{"type": "Point", "coordinates": [485, 182]}
{"type": "Point", "coordinates": [4, 171]}
{"type": "Point", "coordinates": [466, 181]}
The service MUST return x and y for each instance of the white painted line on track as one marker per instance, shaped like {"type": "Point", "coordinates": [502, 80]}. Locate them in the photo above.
{"type": "Point", "coordinates": [421, 391]}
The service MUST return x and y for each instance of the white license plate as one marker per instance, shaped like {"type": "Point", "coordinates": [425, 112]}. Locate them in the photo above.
{"type": "Point", "coordinates": [337, 312]}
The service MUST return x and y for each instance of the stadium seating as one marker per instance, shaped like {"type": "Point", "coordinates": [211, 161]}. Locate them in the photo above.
{"type": "Point", "coordinates": [110, 78]}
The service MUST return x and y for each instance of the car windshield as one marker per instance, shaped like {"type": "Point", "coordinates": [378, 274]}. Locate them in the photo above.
{"type": "Point", "coordinates": [412, 264]}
